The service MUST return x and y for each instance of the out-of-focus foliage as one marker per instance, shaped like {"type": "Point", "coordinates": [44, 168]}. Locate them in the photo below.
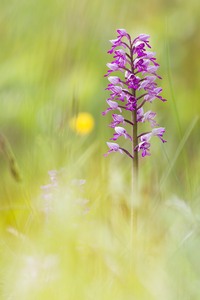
{"type": "Point", "coordinates": [52, 62]}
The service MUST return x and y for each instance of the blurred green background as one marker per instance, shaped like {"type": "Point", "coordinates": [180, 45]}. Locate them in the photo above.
{"type": "Point", "coordinates": [53, 56]}
{"type": "Point", "coordinates": [52, 62]}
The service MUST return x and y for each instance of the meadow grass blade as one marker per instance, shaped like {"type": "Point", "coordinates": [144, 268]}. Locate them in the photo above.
{"type": "Point", "coordinates": [5, 148]}
{"type": "Point", "coordinates": [180, 148]}
{"type": "Point", "coordinates": [177, 118]}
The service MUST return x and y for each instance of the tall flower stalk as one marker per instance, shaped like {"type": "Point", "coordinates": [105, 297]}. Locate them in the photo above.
{"type": "Point", "coordinates": [130, 91]}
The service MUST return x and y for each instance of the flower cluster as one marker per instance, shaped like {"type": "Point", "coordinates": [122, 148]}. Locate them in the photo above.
{"type": "Point", "coordinates": [138, 86]}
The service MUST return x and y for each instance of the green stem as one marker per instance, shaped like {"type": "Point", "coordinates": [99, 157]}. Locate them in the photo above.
{"type": "Point", "coordinates": [135, 153]}
{"type": "Point", "coordinates": [134, 216]}
{"type": "Point", "coordinates": [135, 138]}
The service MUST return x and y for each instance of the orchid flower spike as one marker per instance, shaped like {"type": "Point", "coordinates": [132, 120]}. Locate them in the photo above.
{"type": "Point", "coordinates": [130, 89]}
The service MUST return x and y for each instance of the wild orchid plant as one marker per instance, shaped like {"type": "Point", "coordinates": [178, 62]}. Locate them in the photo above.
{"type": "Point", "coordinates": [132, 92]}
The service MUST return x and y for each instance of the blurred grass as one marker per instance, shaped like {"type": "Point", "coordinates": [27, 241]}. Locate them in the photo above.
{"type": "Point", "coordinates": [52, 61]}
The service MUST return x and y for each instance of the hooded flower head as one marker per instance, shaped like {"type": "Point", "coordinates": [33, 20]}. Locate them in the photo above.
{"type": "Point", "coordinates": [130, 89]}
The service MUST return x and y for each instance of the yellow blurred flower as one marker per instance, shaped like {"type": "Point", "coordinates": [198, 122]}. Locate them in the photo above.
{"type": "Point", "coordinates": [83, 123]}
